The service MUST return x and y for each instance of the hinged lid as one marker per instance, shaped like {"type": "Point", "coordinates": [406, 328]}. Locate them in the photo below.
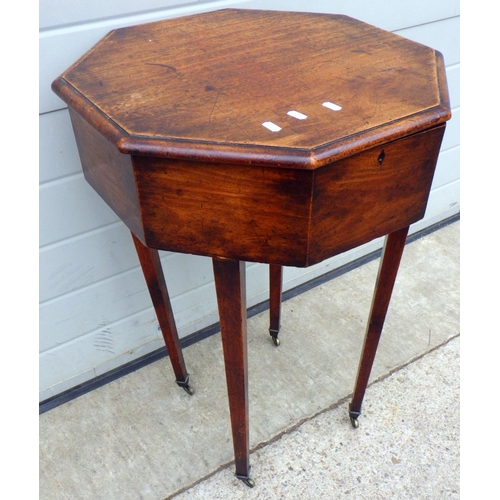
{"type": "Point", "coordinates": [263, 87]}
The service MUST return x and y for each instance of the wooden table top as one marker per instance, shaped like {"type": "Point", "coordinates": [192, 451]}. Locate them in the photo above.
{"type": "Point", "coordinates": [256, 87]}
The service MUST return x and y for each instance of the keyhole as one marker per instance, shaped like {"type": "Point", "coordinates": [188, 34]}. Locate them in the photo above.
{"type": "Point", "coordinates": [381, 157]}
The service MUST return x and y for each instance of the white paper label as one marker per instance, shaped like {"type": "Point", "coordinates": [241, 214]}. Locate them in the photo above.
{"type": "Point", "coordinates": [333, 106]}
{"type": "Point", "coordinates": [271, 126]}
{"type": "Point", "coordinates": [296, 114]}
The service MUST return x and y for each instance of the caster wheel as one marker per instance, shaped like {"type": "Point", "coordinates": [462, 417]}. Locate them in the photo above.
{"type": "Point", "coordinates": [276, 341]}
{"type": "Point", "coordinates": [354, 422]}
{"type": "Point", "coordinates": [246, 478]}
{"type": "Point", "coordinates": [249, 482]}
{"type": "Point", "coordinates": [189, 390]}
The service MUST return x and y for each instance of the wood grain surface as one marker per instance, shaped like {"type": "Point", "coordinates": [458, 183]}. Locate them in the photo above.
{"type": "Point", "coordinates": [201, 87]}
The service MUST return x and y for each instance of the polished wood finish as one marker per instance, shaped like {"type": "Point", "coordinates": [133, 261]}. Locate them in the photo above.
{"type": "Point", "coordinates": [109, 172]}
{"type": "Point", "coordinates": [201, 86]}
{"type": "Point", "coordinates": [372, 194]}
{"type": "Point", "coordinates": [389, 265]}
{"type": "Point", "coordinates": [285, 216]}
{"type": "Point", "coordinates": [275, 298]}
{"type": "Point", "coordinates": [232, 211]}
{"type": "Point", "coordinates": [277, 215]}
{"type": "Point", "coordinates": [153, 273]}
{"type": "Point", "coordinates": [230, 286]}
{"type": "Point", "coordinates": [170, 117]}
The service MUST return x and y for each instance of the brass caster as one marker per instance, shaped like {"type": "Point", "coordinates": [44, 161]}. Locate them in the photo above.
{"type": "Point", "coordinates": [246, 479]}
{"type": "Point", "coordinates": [274, 336]}
{"type": "Point", "coordinates": [185, 385]}
{"type": "Point", "coordinates": [189, 390]}
{"type": "Point", "coordinates": [249, 482]}
{"type": "Point", "coordinates": [354, 415]}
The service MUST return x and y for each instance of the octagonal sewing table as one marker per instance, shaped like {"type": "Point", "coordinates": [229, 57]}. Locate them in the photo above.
{"type": "Point", "coordinates": [276, 137]}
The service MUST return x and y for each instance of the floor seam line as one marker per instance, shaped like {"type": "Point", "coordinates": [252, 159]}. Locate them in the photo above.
{"type": "Point", "coordinates": [333, 406]}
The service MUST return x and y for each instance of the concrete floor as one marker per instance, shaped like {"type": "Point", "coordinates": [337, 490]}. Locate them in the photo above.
{"type": "Point", "coordinates": [141, 437]}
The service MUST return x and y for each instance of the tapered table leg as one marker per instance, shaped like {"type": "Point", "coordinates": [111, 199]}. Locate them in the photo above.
{"type": "Point", "coordinates": [275, 297]}
{"type": "Point", "coordinates": [231, 298]}
{"type": "Point", "coordinates": [153, 273]}
{"type": "Point", "coordinates": [389, 265]}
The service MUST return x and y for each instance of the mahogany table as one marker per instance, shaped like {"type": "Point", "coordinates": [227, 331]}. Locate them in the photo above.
{"type": "Point", "coordinates": [277, 137]}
